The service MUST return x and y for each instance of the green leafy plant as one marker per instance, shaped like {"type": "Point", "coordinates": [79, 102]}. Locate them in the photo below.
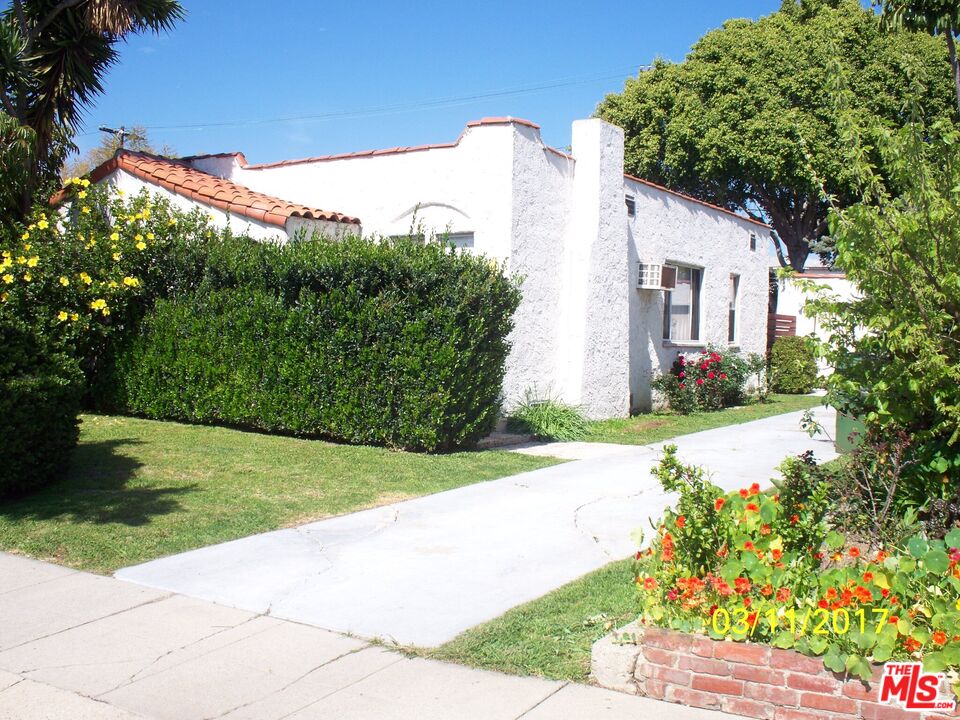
{"type": "Point", "coordinates": [39, 400]}
{"type": "Point", "coordinates": [793, 365]}
{"type": "Point", "coordinates": [705, 381]}
{"type": "Point", "coordinates": [547, 419]}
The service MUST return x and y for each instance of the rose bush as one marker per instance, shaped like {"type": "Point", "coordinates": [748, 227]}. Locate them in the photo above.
{"type": "Point", "coordinates": [779, 574]}
{"type": "Point", "coordinates": [707, 380]}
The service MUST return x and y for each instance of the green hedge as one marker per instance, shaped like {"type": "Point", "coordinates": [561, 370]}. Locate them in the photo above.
{"type": "Point", "coordinates": [395, 343]}
{"type": "Point", "coordinates": [793, 367]}
{"type": "Point", "coordinates": [39, 401]}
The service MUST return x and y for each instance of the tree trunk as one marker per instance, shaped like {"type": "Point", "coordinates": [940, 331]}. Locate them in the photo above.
{"type": "Point", "coordinates": [797, 245]}
{"type": "Point", "coordinates": [952, 49]}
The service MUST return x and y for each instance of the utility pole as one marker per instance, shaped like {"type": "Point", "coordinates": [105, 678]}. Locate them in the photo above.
{"type": "Point", "coordinates": [120, 133]}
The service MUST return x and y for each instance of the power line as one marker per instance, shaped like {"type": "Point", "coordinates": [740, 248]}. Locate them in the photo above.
{"type": "Point", "coordinates": [374, 111]}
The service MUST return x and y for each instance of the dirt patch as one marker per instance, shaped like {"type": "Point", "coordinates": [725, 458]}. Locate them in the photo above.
{"type": "Point", "coordinates": [647, 425]}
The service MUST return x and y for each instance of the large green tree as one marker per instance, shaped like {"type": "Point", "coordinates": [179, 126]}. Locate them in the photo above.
{"type": "Point", "coordinates": [745, 120]}
{"type": "Point", "coordinates": [937, 17]}
{"type": "Point", "coordinates": [54, 55]}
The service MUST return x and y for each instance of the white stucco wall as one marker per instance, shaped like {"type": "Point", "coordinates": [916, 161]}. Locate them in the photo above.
{"type": "Point", "coordinates": [792, 298]}
{"type": "Point", "coordinates": [670, 229]}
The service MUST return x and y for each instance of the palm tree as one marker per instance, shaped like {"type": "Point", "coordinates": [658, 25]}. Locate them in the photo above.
{"type": "Point", "coordinates": [53, 57]}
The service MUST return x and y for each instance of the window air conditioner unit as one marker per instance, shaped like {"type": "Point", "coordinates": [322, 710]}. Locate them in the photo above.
{"type": "Point", "coordinates": [656, 277]}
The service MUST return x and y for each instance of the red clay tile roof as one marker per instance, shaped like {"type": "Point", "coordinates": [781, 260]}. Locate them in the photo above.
{"type": "Point", "coordinates": [225, 195]}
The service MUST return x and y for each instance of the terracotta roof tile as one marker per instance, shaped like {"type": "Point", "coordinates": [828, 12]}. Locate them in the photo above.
{"type": "Point", "coordinates": [178, 177]}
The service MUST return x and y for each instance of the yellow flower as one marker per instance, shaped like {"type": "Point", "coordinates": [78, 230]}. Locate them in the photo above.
{"type": "Point", "coordinates": [146, 213]}
{"type": "Point", "coordinates": [25, 236]}
{"type": "Point", "coordinates": [138, 237]}
{"type": "Point", "coordinates": [85, 182]}
{"type": "Point", "coordinates": [131, 282]}
{"type": "Point", "coordinates": [121, 193]}
{"type": "Point", "coordinates": [32, 262]}
{"type": "Point", "coordinates": [117, 256]}
{"type": "Point", "coordinates": [4, 296]}
{"type": "Point", "coordinates": [958, 604]}
{"type": "Point", "coordinates": [115, 236]}
{"type": "Point", "coordinates": [150, 236]}
{"type": "Point", "coordinates": [6, 262]}
{"type": "Point", "coordinates": [8, 278]}
{"type": "Point", "coordinates": [27, 246]}
{"type": "Point", "coordinates": [105, 312]}
{"type": "Point", "coordinates": [98, 304]}
{"type": "Point", "coordinates": [85, 210]}
{"type": "Point", "coordinates": [21, 260]}
{"type": "Point", "coordinates": [5, 253]}
{"type": "Point", "coordinates": [74, 317]}
{"type": "Point", "coordinates": [141, 245]}
{"type": "Point", "coordinates": [86, 278]}
{"type": "Point", "coordinates": [61, 316]}
{"type": "Point", "coordinates": [82, 194]}
{"type": "Point", "coordinates": [43, 225]}
{"type": "Point", "coordinates": [64, 281]}
{"type": "Point", "coordinates": [91, 243]}
{"type": "Point", "coordinates": [28, 277]}
{"type": "Point", "coordinates": [171, 221]}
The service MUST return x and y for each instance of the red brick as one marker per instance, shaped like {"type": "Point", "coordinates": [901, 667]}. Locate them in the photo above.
{"type": "Point", "coordinates": [789, 660]}
{"type": "Point", "coordinates": [772, 694]}
{"type": "Point", "coordinates": [858, 691]}
{"type": "Point", "coordinates": [759, 674]}
{"type": "Point", "coordinates": [829, 703]}
{"type": "Point", "coordinates": [693, 698]}
{"type": "Point", "coordinates": [658, 672]}
{"type": "Point", "coordinates": [667, 639]}
{"type": "Point", "coordinates": [791, 714]}
{"type": "Point", "coordinates": [742, 652]}
{"type": "Point", "coordinates": [657, 656]}
{"type": "Point", "coordinates": [722, 686]}
{"type": "Point", "coordinates": [872, 711]}
{"type": "Point", "coordinates": [655, 689]}
{"type": "Point", "coordinates": [704, 665]}
{"type": "Point", "coordinates": [810, 683]}
{"type": "Point", "coordinates": [702, 646]}
{"type": "Point", "coordinates": [750, 708]}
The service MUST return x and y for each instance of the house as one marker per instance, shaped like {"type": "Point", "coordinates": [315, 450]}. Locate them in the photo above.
{"type": "Point", "coordinates": [619, 274]}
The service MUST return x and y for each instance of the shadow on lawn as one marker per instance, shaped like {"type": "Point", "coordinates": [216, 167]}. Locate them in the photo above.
{"type": "Point", "coordinates": [96, 490]}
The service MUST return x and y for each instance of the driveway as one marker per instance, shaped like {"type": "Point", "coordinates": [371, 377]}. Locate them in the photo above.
{"type": "Point", "coordinates": [422, 571]}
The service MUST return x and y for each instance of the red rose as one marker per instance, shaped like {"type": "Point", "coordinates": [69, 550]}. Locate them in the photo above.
{"type": "Point", "coordinates": [681, 374]}
{"type": "Point", "coordinates": [711, 375]}
{"type": "Point", "coordinates": [682, 386]}
{"type": "Point", "coordinates": [699, 381]}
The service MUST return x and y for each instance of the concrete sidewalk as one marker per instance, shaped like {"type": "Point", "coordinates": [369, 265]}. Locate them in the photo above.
{"type": "Point", "coordinates": [422, 571]}
{"type": "Point", "coordinates": [75, 646]}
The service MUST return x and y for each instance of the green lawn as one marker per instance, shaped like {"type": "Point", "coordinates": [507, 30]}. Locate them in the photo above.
{"type": "Point", "coordinates": [140, 489]}
{"type": "Point", "coordinates": [551, 637]}
{"type": "Point", "coordinates": [654, 427]}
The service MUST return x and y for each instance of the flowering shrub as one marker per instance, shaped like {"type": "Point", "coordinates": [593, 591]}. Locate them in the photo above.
{"type": "Point", "coordinates": [779, 575]}
{"type": "Point", "coordinates": [706, 380]}
{"type": "Point", "coordinates": [83, 275]}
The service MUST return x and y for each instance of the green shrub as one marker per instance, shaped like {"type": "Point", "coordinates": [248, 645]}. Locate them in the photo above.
{"type": "Point", "coordinates": [395, 343]}
{"type": "Point", "coordinates": [547, 419]}
{"type": "Point", "coordinates": [793, 367]}
{"type": "Point", "coordinates": [39, 401]}
{"type": "Point", "coordinates": [705, 381]}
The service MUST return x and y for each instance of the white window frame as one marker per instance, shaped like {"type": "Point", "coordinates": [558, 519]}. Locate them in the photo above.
{"type": "Point", "coordinates": [733, 310]}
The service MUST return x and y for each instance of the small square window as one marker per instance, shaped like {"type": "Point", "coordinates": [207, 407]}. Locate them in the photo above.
{"type": "Point", "coordinates": [753, 242]}
{"type": "Point", "coordinates": [461, 239]}
{"type": "Point", "coordinates": [631, 205]}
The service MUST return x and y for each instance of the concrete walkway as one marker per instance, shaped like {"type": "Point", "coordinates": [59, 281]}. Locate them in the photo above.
{"type": "Point", "coordinates": [75, 646]}
{"type": "Point", "coordinates": [422, 571]}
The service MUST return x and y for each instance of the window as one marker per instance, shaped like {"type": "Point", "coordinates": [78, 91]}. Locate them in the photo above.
{"type": "Point", "coordinates": [753, 242]}
{"type": "Point", "coordinates": [631, 205]}
{"type": "Point", "coordinates": [681, 306]}
{"type": "Point", "coordinates": [734, 301]}
{"type": "Point", "coordinates": [461, 239]}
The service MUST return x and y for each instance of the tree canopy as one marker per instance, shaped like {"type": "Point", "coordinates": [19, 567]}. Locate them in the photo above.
{"type": "Point", "coordinates": [136, 139]}
{"type": "Point", "coordinates": [54, 55]}
{"type": "Point", "coordinates": [745, 120]}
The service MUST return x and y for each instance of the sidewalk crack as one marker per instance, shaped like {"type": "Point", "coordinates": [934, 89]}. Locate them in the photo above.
{"type": "Point", "coordinates": [542, 701]}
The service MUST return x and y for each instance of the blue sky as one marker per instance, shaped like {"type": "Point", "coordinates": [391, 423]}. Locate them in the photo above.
{"type": "Point", "coordinates": [381, 74]}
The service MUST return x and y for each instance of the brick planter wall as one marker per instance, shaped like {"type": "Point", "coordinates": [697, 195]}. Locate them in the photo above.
{"type": "Point", "coordinates": [747, 679]}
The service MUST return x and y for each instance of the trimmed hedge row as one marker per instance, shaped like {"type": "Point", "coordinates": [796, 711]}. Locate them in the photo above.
{"type": "Point", "coordinates": [793, 366]}
{"type": "Point", "coordinates": [395, 343]}
{"type": "Point", "coordinates": [39, 401]}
